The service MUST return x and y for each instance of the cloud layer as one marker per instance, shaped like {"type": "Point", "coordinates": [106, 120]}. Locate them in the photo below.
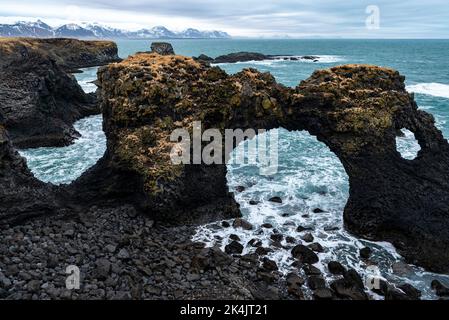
{"type": "Point", "coordinates": [269, 18]}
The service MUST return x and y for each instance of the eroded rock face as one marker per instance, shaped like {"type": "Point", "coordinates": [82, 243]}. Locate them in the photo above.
{"type": "Point", "coordinates": [356, 110]}
{"type": "Point", "coordinates": [162, 48]}
{"type": "Point", "coordinates": [22, 196]}
{"type": "Point", "coordinates": [70, 54]}
{"type": "Point", "coordinates": [39, 100]}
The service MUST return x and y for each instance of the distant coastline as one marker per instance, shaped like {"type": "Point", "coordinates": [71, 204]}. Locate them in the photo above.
{"type": "Point", "coordinates": [40, 29]}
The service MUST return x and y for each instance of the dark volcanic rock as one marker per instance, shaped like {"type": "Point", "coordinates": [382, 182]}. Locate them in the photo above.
{"type": "Point", "coordinates": [39, 101]}
{"type": "Point", "coordinates": [316, 247]}
{"type": "Point", "coordinates": [322, 294]}
{"type": "Point", "coordinates": [22, 196]}
{"type": "Point", "coordinates": [269, 265]}
{"type": "Point", "coordinates": [355, 109]}
{"type": "Point", "coordinates": [203, 57]}
{"type": "Point", "coordinates": [440, 289]}
{"type": "Point", "coordinates": [242, 223]}
{"type": "Point", "coordinates": [365, 253]}
{"type": "Point", "coordinates": [162, 48]}
{"type": "Point", "coordinates": [316, 282]}
{"type": "Point", "coordinates": [350, 287]}
{"type": "Point", "coordinates": [410, 291]}
{"type": "Point", "coordinates": [234, 248]}
{"type": "Point", "coordinates": [70, 54]}
{"type": "Point", "coordinates": [348, 290]}
{"type": "Point", "coordinates": [304, 254]}
{"type": "Point", "coordinates": [240, 57]}
{"type": "Point", "coordinates": [336, 268]}
{"type": "Point", "coordinates": [275, 200]}
{"type": "Point", "coordinates": [311, 270]}
{"type": "Point", "coordinates": [308, 237]}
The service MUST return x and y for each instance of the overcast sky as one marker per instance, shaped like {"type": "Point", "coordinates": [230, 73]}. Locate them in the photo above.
{"type": "Point", "coordinates": [254, 18]}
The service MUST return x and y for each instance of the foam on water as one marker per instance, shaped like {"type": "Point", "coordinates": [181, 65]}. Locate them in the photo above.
{"type": "Point", "coordinates": [310, 176]}
{"type": "Point", "coordinates": [86, 78]}
{"type": "Point", "coordinates": [63, 165]}
{"type": "Point", "coordinates": [281, 60]}
{"type": "Point", "coordinates": [432, 89]}
{"type": "Point", "coordinates": [407, 145]}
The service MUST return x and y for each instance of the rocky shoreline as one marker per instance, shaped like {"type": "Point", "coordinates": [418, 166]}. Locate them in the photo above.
{"type": "Point", "coordinates": [251, 56]}
{"type": "Point", "coordinates": [128, 221]}
{"type": "Point", "coordinates": [39, 98]}
{"type": "Point", "coordinates": [124, 255]}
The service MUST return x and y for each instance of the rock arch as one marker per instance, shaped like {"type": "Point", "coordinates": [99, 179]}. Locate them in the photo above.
{"type": "Point", "coordinates": [355, 110]}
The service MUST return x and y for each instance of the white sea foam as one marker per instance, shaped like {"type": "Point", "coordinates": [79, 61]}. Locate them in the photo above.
{"type": "Point", "coordinates": [407, 145]}
{"type": "Point", "coordinates": [63, 165]}
{"type": "Point", "coordinates": [287, 59]}
{"type": "Point", "coordinates": [86, 78]}
{"type": "Point", "coordinates": [310, 176]}
{"type": "Point", "coordinates": [432, 89]}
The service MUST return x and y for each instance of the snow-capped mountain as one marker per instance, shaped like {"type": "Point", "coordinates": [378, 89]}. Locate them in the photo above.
{"type": "Point", "coordinates": [40, 29]}
{"type": "Point", "coordinates": [104, 32]}
{"type": "Point", "coordinates": [36, 29]}
{"type": "Point", "coordinates": [74, 31]}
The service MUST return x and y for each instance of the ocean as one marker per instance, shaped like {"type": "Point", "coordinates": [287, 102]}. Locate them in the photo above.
{"type": "Point", "coordinates": [309, 176]}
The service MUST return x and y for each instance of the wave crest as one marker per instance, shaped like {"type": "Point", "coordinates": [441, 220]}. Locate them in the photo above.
{"type": "Point", "coordinates": [431, 89]}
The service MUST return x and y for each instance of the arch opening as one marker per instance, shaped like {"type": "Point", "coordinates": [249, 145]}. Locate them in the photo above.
{"type": "Point", "coordinates": [65, 164]}
{"type": "Point", "coordinates": [407, 144]}
{"type": "Point", "coordinates": [314, 188]}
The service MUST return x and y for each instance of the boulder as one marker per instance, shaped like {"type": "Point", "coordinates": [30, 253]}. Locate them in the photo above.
{"type": "Point", "coordinates": [275, 199]}
{"type": "Point", "coordinates": [365, 253]}
{"type": "Point", "coordinates": [336, 268]}
{"type": "Point", "coordinates": [162, 48]}
{"type": "Point", "coordinates": [243, 224]}
{"type": "Point", "coordinates": [316, 282]}
{"type": "Point", "coordinates": [304, 254]}
{"type": "Point", "coordinates": [269, 265]}
{"type": "Point", "coordinates": [234, 248]}
{"type": "Point", "coordinates": [323, 294]}
{"type": "Point", "coordinates": [440, 289]}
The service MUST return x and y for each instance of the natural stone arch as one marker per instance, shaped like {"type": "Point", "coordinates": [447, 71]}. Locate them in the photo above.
{"type": "Point", "coordinates": [355, 110]}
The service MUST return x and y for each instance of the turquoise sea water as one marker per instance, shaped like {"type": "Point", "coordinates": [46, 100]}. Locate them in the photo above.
{"type": "Point", "coordinates": [309, 175]}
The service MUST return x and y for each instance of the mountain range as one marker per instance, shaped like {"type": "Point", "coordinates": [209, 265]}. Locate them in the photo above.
{"type": "Point", "coordinates": [40, 29]}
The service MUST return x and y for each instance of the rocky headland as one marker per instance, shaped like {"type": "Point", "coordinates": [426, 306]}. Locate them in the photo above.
{"type": "Point", "coordinates": [39, 98]}
{"type": "Point", "coordinates": [251, 56]}
{"type": "Point", "coordinates": [128, 221]}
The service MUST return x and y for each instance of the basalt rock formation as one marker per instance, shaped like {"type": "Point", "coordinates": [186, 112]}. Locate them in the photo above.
{"type": "Point", "coordinates": [162, 48]}
{"type": "Point", "coordinates": [251, 56]}
{"type": "Point", "coordinates": [70, 54]}
{"type": "Point", "coordinates": [22, 196]}
{"type": "Point", "coordinates": [39, 100]}
{"type": "Point", "coordinates": [356, 110]}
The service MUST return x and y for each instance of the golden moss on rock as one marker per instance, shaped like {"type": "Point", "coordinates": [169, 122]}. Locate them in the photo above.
{"type": "Point", "coordinates": [356, 110]}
